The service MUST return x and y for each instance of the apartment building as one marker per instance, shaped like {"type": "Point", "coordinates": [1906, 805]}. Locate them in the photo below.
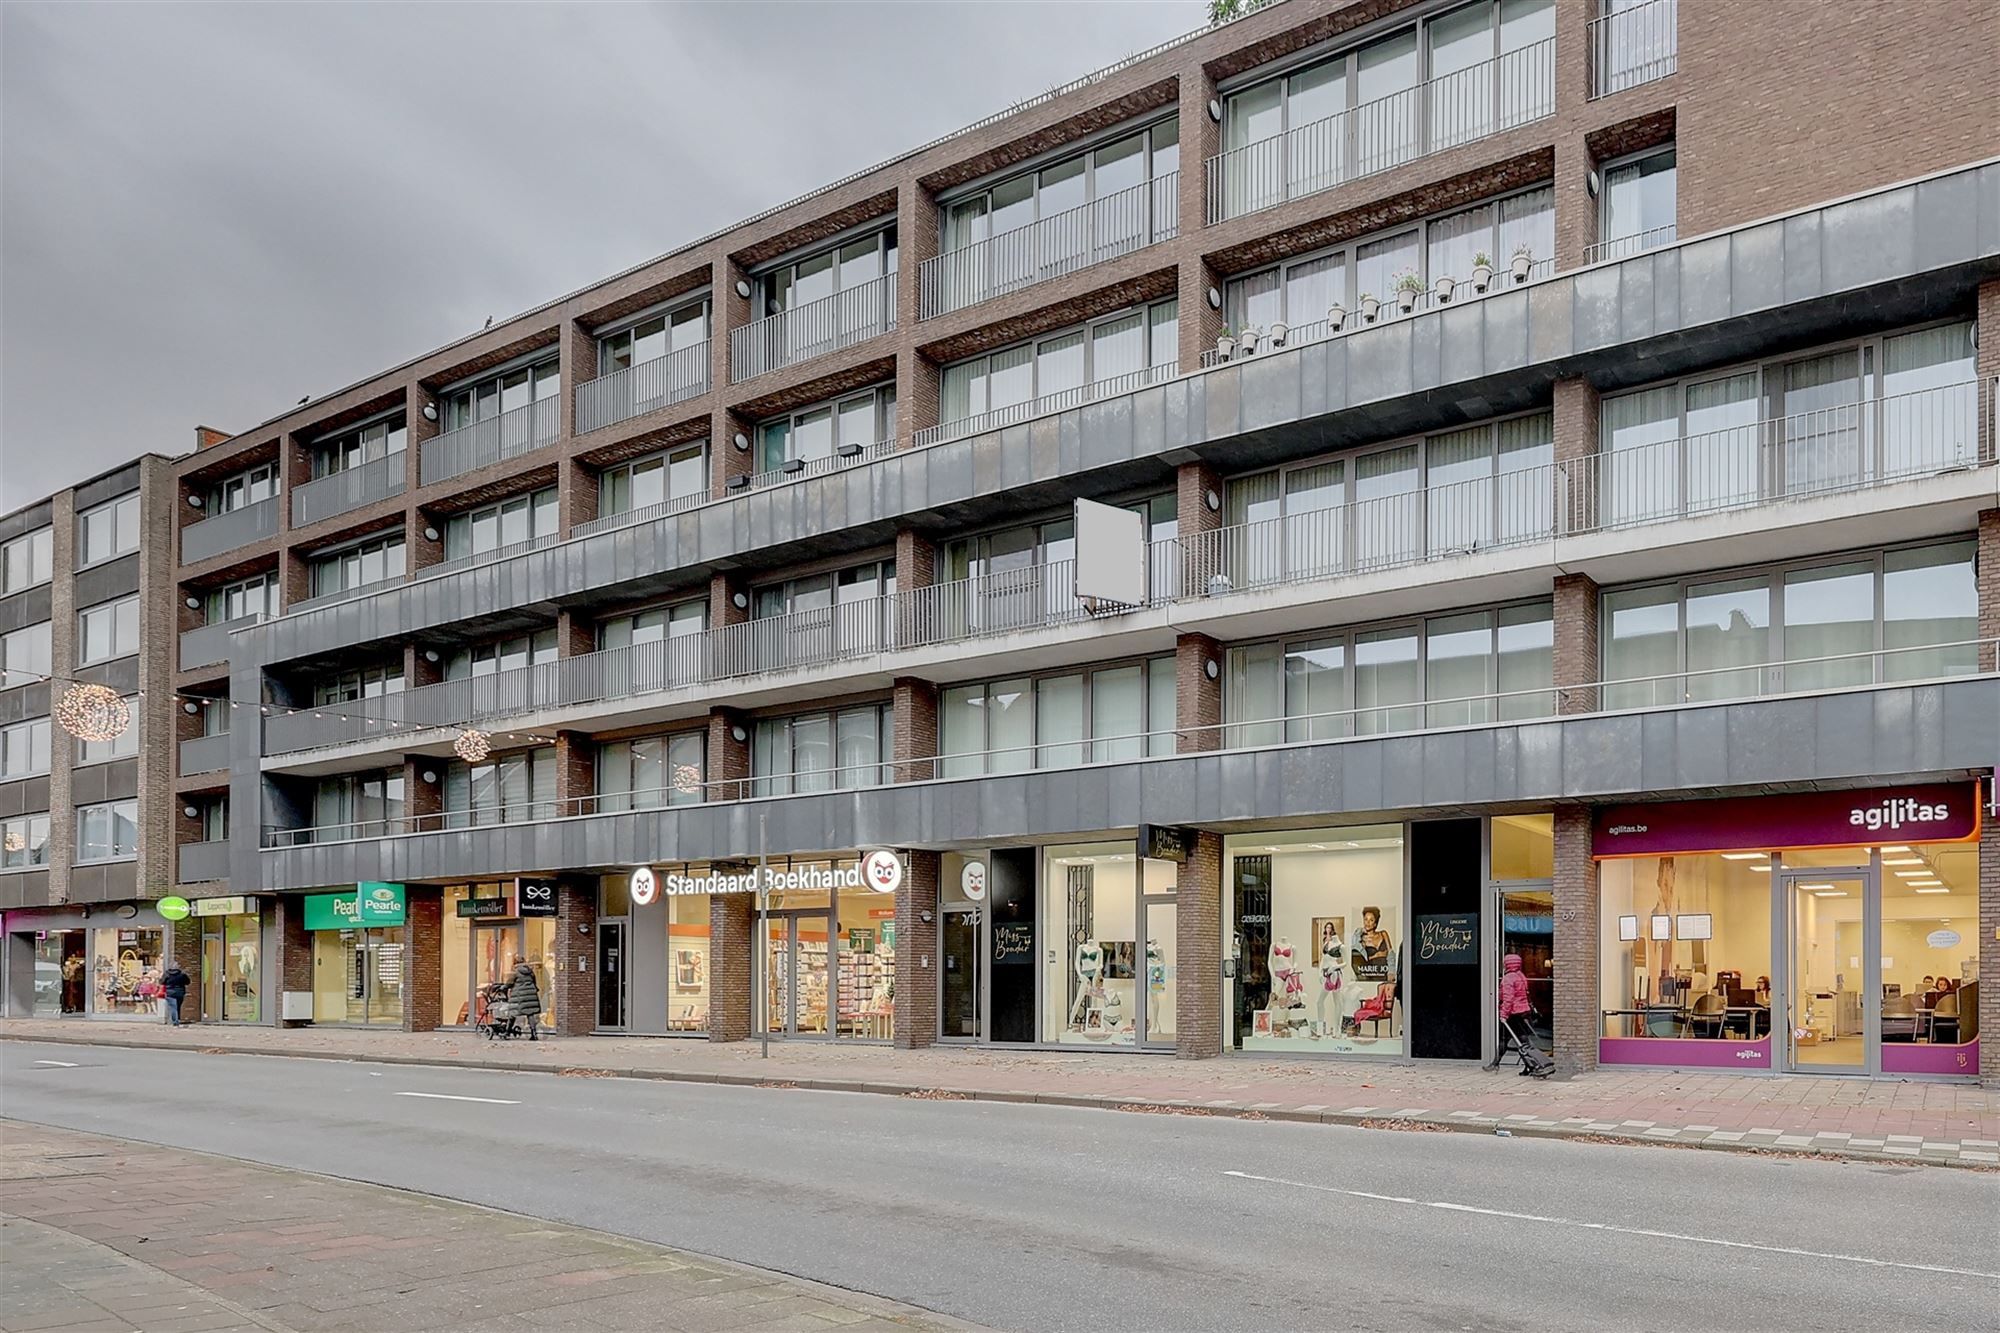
{"type": "Point", "coordinates": [1553, 443]}
{"type": "Point", "coordinates": [87, 825]}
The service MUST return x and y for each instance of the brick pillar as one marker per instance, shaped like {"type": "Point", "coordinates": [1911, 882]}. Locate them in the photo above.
{"type": "Point", "coordinates": [1989, 950]}
{"type": "Point", "coordinates": [575, 980]}
{"type": "Point", "coordinates": [1198, 951]}
{"type": "Point", "coordinates": [722, 607]}
{"type": "Point", "coordinates": [62, 661]}
{"type": "Point", "coordinates": [294, 968]}
{"type": "Point", "coordinates": [1576, 440]}
{"type": "Point", "coordinates": [916, 739]}
{"type": "Point", "coordinates": [1578, 1012]}
{"type": "Point", "coordinates": [1197, 696]}
{"type": "Point", "coordinates": [1200, 553]}
{"type": "Point", "coordinates": [728, 758]}
{"type": "Point", "coordinates": [418, 428]}
{"type": "Point", "coordinates": [187, 953]}
{"type": "Point", "coordinates": [1576, 211]}
{"type": "Point", "coordinates": [1576, 640]}
{"type": "Point", "coordinates": [419, 551]}
{"type": "Point", "coordinates": [1988, 560]}
{"type": "Point", "coordinates": [1201, 139]}
{"type": "Point", "coordinates": [294, 576]}
{"type": "Point", "coordinates": [732, 924]}
{"type": "Point", "coordinates": [916, 569]}
{"type": "Point", "coordinates": [423, 802]}
{"type": "Point", "coordinates": [579, 367]}
{"type": "Point", "coordinates": [917, 233]}
{"type": "Point", "coordinates": [576, 773]}
{"type": "Point", "coordinates": [1987, 367]}
{"type": "Point", "coordinates": [576, 495]}
{"type": "Point", "coordinates": [423, 958]}
{"type": "Point", "coordinates": [1200, 323]}
{"type": "Point", "coordinates": [295, 463]}
{"type": "Point", "coordinates": [422, 666]}
{"type": "Point", "coordinates": [917, 952]}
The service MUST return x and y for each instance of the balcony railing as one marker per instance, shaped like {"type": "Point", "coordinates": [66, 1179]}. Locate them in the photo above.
{"type": "Point", "coordinates": [798, 469]}
{"type": "Point", "coordinates": [340, 492]}
{"type": "Point", "coordinates": [643, 514]}
{"type": "Point", "coordinates": [1635, 44]}
{"type": "Point", "coordinates": [1494, 95]}
{"type": "Point", "coordinates": [1054, 402]}
{"type": "Point", "coordinates": [460, 563]}
{"type": "Point", "coordinates": [202, 862]}
{"type": "Point", "coordinates": [813, 329]}
{"type": "Point", "coordinates": [204, 754]}
{"type": "Point", "coordinates": [318, 600]}
{"type": "Point", "coordinates": [1076, 238]}
{"type": "Point", "coordinates": [1624, 247]}
{"type": "Point", "coordinates": [642, 388]}
{"type": "Point", "coordinates": [206, 645]}
{"type": "Point", "coordinates": [508, 435]}
{"type": "Point", "coordinates": [225, 532]}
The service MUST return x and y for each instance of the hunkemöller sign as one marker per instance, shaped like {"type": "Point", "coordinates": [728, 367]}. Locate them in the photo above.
{"type": "Point", "coordinates": [1935, 812]}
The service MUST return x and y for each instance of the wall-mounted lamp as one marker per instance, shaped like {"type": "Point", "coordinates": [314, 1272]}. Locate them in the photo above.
{"type": "Point", "coordinates": [430, 412]}
{"type": "Point", "coordinates": [430, 655]}
{"type": "Point", "coordinates": [190, 812]}
{"type": "Point", "coordinates": [1215, 110]}
{"type": "Point", "coordinates": [738, 735]}
{"type": "Point", "coordinates": [430, 534]}
{"type": "Point", "coordinates": [430, 777]}
{"type": "Point", "coordinates": [191, 603]}
{"type": "Point", "coordinates": [1593, 182]}
{"type": "Point", "coordinates": [1215, 298]}
{"type": "Point", "coordinates": [740, 440]}
{"type": "Point", "coordinates": [743, 289]}
{"type": "Point", "coordinates": [1210, 669]}
{"type": "Point", "coordinates": [924, 917]}
{"type": "Point", "coordinates": [195, 500]}
{"type": "Point", "coordinates": [1212, 500]}
{"type": "Point", "coordinates": [739, 600]}
{"type": "Point", "coordinates": [190, 708]}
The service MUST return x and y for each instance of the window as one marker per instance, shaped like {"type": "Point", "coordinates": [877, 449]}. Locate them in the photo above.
{"type": "Point", "coordinates": [1911, 613]}
{"type": "Point", "coordinates": [506, 392]}
{"type": "Point", "coordinates": [258, 484]}
{"type": "Point", "coordinates": [358, 805]}
{"type": "Point", "coordinates": [1444, 671]}
{"type": "Point", "coordinates": [27, 560]}
{"type": "Point", "coordinates": [108, 531]}
{"type": "Point", "coordinates": [363, 444]}
{"type": "Point", "coordinates": [653, 625]}
{"type": "Point", "coordinates": [651, 771]}
{"type": "Point", "coordinates": [502, 525]}
{"type": "Point", "coordinates": [373, 561]}
{"type": "Point", "coordinates": [24, 842]}
{"type": "Point", "coordinates": [821, 751]}
{"type": "Point", "coordinates": [108, 630]}
{"type": "Point", "coordinates": [107, 832]}
{"type": "Point", "coordinates": [1052, 371]}
{"type": "Point", "coordinates": [505, 789]}
{"type": "Point", "coordinates": [122, 746]}
{"type": "Point", "coordinates": [356, 683]}
{"type": "Point", "coordinates": [214, 811]}
{"type": "Point", "coordinates": [1109, 714]}
{"type": "Point", "coordinates": [518, 650]}
{"type": "Point", "coordinates": [252, 598]}
{"type": "Point", "coordinates": [813, 434]}
{"type": "Point", "coordinates": [24, 655]}
{"type": "Point", "coordinates": [820, 276]}
{"type": "Point", "coordinates": [671, 479]}
{"type": "Point", "coordinates": [817, 592]}
{"type": "Point", "coordinates": [1685, 936]}
{"type": "Point", "coordinates": [1632, 42]}
{"type": "Point", "coordinates": [24, 748]}
{"type": "Point", "coordinates": [654, 337]}
{"type": "Point", "coordinates": [1639, 208]}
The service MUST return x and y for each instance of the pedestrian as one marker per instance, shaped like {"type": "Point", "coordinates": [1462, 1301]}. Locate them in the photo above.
{"type": "Point", "coordinates": [1513, 1003]}
{"type": "Point", "coordinates": [174, 984]}
{"type": "Point", "coordinates": [525, 996]}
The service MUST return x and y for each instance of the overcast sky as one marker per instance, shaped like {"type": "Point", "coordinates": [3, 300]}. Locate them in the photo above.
{"type": "Point", "coordinates": [208, 211]}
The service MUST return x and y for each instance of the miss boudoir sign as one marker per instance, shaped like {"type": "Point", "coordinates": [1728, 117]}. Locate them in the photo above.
{"type": "Point", "coordinates": [1939, 812]}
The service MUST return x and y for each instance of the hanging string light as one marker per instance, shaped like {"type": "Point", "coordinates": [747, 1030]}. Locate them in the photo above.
{"type": "Point", "coordinates": [472, 745]}
{"type": "Point", "coordinates": [92, 712]}
{"type": "Point", "coordinates": [15, 842]}
{"type": "Point", "coordinates": [687, 779]}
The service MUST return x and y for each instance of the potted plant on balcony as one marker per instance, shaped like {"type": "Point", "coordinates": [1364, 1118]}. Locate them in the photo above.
{"type": "Point", "coordinates": [1482, 271]}
{"type": "Point", "coordinates": [1370, 305]}
{"type": "Point", "coordinates": [1248, 339]}
{"type": "Point", "coordinates": [1524, 259]}
{"type": "Point", "coordinates": [1279, 331]}
{"type": "Point", "coordinates": [1225, 344]}
{"type": "Point", "coordinates": [1336, 316]}
{"type": "Point", "coordinates": [1444, 287]}
{"type": "Point", "coordinates": [1408, 288]}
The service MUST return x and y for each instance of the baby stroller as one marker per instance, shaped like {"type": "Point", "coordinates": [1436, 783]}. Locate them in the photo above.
{"type": "Point", "coordinates": [1534, 1064]}
{"type": "Point", "coordinates": [499, 1021]}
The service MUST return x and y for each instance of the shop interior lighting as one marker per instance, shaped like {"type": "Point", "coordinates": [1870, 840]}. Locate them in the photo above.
{"type": "Point", "coordinates": [1929, 888]}
{"type": "Point", "coordinates": [1887, 850]}
{"type": "Point", "coordinates": [1762, 870]}
{"type": "Point", "coordinates": [1829, 893]}
{"type": "Point", "coordinates": [1913, 874]}
{"type": "Point", "coordinates": [1903, 861]}
{"type": "Point", "coordinates": [1745, 856]}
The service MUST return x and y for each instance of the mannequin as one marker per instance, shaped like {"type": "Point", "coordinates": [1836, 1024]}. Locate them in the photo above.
{"type": "Point", "coordinates": [1156, 967]}
{"type": "Point", "coordinates": [1330, 955]}
{"type": "Point", "coordinates": [1288, 988]}
{"type": "Point", "coordinates": [1089, 965]}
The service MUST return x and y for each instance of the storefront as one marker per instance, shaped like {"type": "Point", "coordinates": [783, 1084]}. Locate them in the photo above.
{"type": "Point", "coordinates": [358, 945]}
{"type": "Point", "coordinates": [97, 962]}
{"type": "Point", "coordinates": [232, 954]}
{"type": "Point", "coordinates": [654, 954]}
{"type": "Point", "coordinates": [1825, 932]}
{"type": "Point", "coordinates": [486, 927]}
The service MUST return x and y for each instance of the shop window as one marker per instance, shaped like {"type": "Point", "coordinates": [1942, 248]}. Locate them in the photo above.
{"type": "Point", "coordinates": [690, 947]}
{"type": "Point", "coordinates": [125, 969]}
{"type": "Point", "coordinates": [1523, 848]}
{"type": "Point", "coordinates": [1108, 932]}
{"type": "Point", "coordinates": [1686, 946]}
{"type": "Point", "coordinates": [358, 976]}
{"type": "Point", "coordinates": [1318, 926]}
{"type": "Point", "coordinates": [1930, 939]}
{"type": "Point", "coordinates": [865, 996]}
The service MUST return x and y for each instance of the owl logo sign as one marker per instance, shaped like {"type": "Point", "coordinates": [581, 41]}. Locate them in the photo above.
{"type": "Point", "coordinates": [882, 871]}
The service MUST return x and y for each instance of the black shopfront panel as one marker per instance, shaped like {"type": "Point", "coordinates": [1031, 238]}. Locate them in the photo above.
{"type": "Point", "coordinates": [1444, 992]}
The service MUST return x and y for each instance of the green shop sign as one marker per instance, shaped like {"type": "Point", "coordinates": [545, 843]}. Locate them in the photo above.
{"type": "Point", "coordinates": [172, 909]}
{"type": "Point", "coordinates": [366, 905]}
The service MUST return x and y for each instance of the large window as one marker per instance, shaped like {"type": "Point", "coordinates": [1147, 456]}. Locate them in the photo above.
{"type": "Point", "coordinates": [107, 832]}
{"type": "Point", "coordinates": [1058, 721]}
{"type": "Point", "coordinates": [24, 842]}
{"type": "Point", "coordinates": [27, 560]}
{"type": "Point", "coordinates": [502, 789]}
{"type": "Point", "coordinates": [672, 478]}
{"type": "Point", "coordinates": [108, 531]}
{"type": "Point", "coordinates": [515, 521]}
{"type": "Point", "coordinates": [108, 630]}
{"type": "Point", "coordinates": [1059, 369]}
{"type": "Point", "coordinates": [255, 597]}
{"type": "Point", "coordinates": [1911, 613]}
{"type": "Point", "coordinates": [516, 650]}
{"type": "Point", "coordinates": [500, 393]}
{"type": "Point", "coordinates": [653, 337]}
{"type": "Point", "coordinates": [363, 444]}
{"type": "Point", "coordinates": [358, 805]}
{"type": "Point", "coordinates": [850, 747]}
{"type": "Point", "coordinates": [361, 565]}
{"type": "Point", "coordinates": [653, 625]}
{"type": "Point", "coordinates": [24, 748]}
{"type": "Point", "coordinates": [818, 592]}
{"type": "Point", "coordinates": [651, 771]}
{"type": "Point", "coordinates": [122, 746]}
{"type": "Point", "coordinates": [24, 655]}
{"type": "Point", "coordinates": [1639, 205]}
{"type": "Point", "coordinates": [255, 486]}
{"type": "Point", "coordinates": [1444, 671]}
{"type": "Point", "coordinates": [356, 683]}
{"type": "Point", "coordinates": [817, 433]}
{"type": "Point", "coordinates": [1110, 963]}
{"type": "Point", "coordinates": [1685, 946]}
{"type": "Point", "coordinates": [845, 268]}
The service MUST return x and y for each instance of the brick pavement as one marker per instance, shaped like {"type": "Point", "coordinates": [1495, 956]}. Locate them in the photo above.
{"type": "Point", "coordinates": [104, 1234]}
{"type": "Point", "coordinates": [1957, 1123]}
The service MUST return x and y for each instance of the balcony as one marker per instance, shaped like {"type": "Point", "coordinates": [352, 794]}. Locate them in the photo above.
{"type": "Point", "coordinates": [645, 387]}
{"type": "Point", "coordinates": [813, 329]}
{"type": "Point", "coordinates": [478, 558]}
{"type": "Point", "coordinates": [519, 431]}
{"type": "Point", "coordinates": [203, 862]}
{"type": "Point", "coordinates": [798, 469]}
{"type": "Point", "coordinates": [340, 492]}
{"type": "Point", "coordinates": [1509, 90]}
{"type": "Point", "coordinates": [225, 532]}
{"type": "Point", "coordinates": [207, 645]}
{"type": "Point", "coordinates": [338, 595]}
{"type": "Point", "coordinates": [1062, 401]}
{"type": "Point", "coordinates": [1635, 45]}
{"type": "Point", "coordinates": [1624, 247]}
{"type": "Point", "coordinates": [643, 514]}
{"type": "Point", "coordinates": [204, 754]}
{"type": "Point", "coordinates": [1103, 229]}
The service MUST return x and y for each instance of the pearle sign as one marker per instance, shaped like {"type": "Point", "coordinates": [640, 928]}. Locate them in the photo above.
{"type": "Point", "coordinates": [1938, 812]}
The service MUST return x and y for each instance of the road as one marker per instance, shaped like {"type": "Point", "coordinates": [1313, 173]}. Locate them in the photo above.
{"type": "Point", "coordinates": [1051, 1218]}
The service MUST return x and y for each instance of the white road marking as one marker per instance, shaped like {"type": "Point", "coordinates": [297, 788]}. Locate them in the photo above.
{"type": "Point", "coordinates": [1446, 1206]}
{"type": "Point", "coordinates": [451, 1097]}
{"type": "Point", "coordinates": [59, 1064]}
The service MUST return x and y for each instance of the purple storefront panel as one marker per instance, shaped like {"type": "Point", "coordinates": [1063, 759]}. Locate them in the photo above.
{"type": "Point", "coordinates": [1915, 1058]}
{"type": "Point", "coordinates": [1685, 1052]}
{"type": "Point", "coordinates": [1935, 812]}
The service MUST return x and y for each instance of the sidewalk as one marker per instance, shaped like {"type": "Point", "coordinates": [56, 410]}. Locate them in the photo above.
{"type": "Point", "coordinates": [1953, 1123]}
{"type": "Point", "coordinates": [105, 1234]}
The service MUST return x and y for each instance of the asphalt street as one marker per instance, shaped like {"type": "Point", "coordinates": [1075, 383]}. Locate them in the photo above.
{"type": "Point", "coordinates": [1026, 1217]}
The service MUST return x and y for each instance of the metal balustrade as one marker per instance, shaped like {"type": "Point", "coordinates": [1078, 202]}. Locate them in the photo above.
{"type": "Point", "coordinates": [204, 754]}
{"type": "Point", "coordinates": [643, 514]}
{"type": "Point", "coordinates": [1514, 88]}
{"type": "Point", "coordinates": [798, 469]}
{"type": "Point", "coordinates": [349, 489]}
{"type": "Point", "coordinates": [225, 532]}
{"type": "Point", "coordinates": [1112, 387]}
{"type": "Point", "coordinates": [827, 325]}
{"type": "Point", "coordinates": [318, 600]}
{"type": "Point", "coordinates": [510, 434]}
{"type": "Point", "coordinates": [205, 645]}
{"type": "Point", "coordinates": [1635, 44]}
{"type": "Point", "coordinates": [202, 862]}
{"type": "Point", "coordinates": [1624, 247]}
{"type": "Point", "coordinates": [460, 563]}
{"type": "Point", "coordinates": [1076, 238]}
{"type": "Point", "coordinates": [645, 387]}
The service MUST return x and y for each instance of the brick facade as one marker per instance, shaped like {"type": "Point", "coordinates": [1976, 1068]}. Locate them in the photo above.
{"type": "Point", "coordinates": [1198, 1016]}
{"type": "Point", "coordinates": [1197, 693]}
{"type": "Point", "coordinates": [1578, 1004]}
{"type": "Point", "coordinates": [575, 979]}
{"type": "Point", "coordinates": [732, 924]}
{"type": "Point", "coordinates": [289, 943]}
{"type": "Point", "coordinates": [917, 952]}
{"type": "Point", "coordinates": [423, 958]}
{"type": "Point", "coordinates": [1576, 643]}
{"type": "Point", "coordinates": [915, 703]}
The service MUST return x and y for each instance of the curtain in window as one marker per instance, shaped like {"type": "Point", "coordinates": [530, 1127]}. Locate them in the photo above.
{"type": "Point", "coordinates": [1315, 527]}
{"type": "Point", "coordinates": [1387, 673]}
{"type": "Point", "coordinates": [1458, 491]}
{"type": "Point", "coordinates": [1253, 697]}
{"type": "Point", "coordinates": [1311, 288]}
{"type": "Point", "coordinates": [1930, 401]}
{"type": "Point", "coordinates": [1388, 509]}
{"type": "Point", "coordinates": [1316, 690]}
{"type": "Point", "coordinates": [1010, 709]}
{"type": "Point", "coordinates": [1639, 469]}
{"type": "Point", "coordinates": [1253, 548]}
{"type": "Point", "coordinates": [1059, 721]}
{"type": "Point", "coordinates": [1457, 650]}
{"type": "Point", "coordinates": [1527, 219]}
{"type": "Point", "coordinates": [1818, 418]}
{"type": "Point", "coordinates": [1525, 660]}
{"type": "Point", "coordinates": [1524, 485]}
{"type": "Point", "coordinates": [1722, 457]}
{"type": "Point", "coordinates": [1455, 240]}
{"type": "Point", "coordinates": [1117, 714]}
{"type": "Point", "coordinates": [1461, 84]}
